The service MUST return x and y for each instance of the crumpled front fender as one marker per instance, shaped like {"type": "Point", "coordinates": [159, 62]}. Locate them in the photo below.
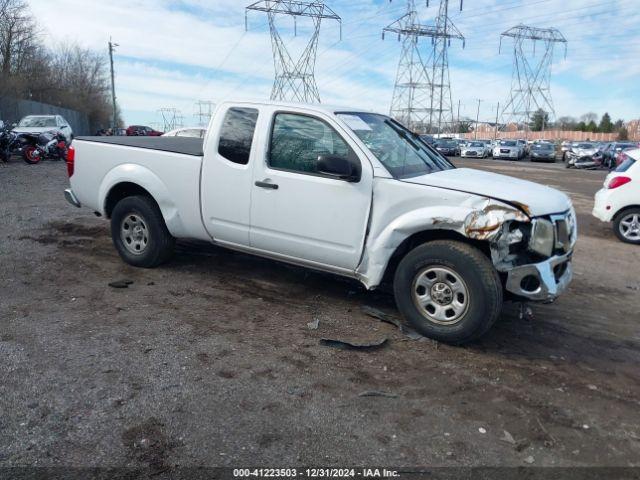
{"type": "Point", "coordinates": [476, 218]}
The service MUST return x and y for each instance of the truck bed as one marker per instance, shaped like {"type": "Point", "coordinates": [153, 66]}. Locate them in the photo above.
{"type": "Point", "coordinates": [183, 145]}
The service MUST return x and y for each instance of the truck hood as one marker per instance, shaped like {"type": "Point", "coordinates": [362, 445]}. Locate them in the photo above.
{"type": "Point", "coordinates": [535, 199]}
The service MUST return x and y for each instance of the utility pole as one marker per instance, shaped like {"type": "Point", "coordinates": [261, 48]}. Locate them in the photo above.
{"type": "Point", "coordinates": [458, 120]}
{"type": "Point", "coordinates": [495, 136]}
{"type": "Point", "coordinates": [478, 118]}
{"type": "Point", "coordinates": [114, 118]}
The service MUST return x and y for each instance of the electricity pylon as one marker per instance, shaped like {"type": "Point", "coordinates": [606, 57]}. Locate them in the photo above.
{"type": "Point", "coordinates": [204, 112]}
{"type": "Point", "coordinates": [294, 81]}
{"type": "Point", "coordinates": [171, 118]}
{"type": "Point", "coordinates": [531, 79]}
{"type": "Point", "coordinates": [422, 93]}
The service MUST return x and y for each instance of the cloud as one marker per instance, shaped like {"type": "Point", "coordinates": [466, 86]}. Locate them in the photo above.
{"type": "Point", "coordinates": [175, 52]}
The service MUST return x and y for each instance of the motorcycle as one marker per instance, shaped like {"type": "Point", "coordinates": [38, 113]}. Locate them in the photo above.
{"type": "Point", "coordinates": [8, 142]}
{"type": "Point", "coordinates": [43, 146]}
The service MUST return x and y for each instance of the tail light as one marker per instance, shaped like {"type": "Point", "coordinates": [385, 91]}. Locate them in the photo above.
{"type": "Point", "coordinates": [616, 182]}
{"type": "Point", "coordinates": [71, 158]}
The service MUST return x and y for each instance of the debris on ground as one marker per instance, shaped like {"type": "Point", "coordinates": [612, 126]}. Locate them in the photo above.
{"type": "Point", "coordinates": [529, 460]}
{"type": "Point", "coordinates": [507, 437]}
{"type": "Point", "coordinates": [314, 325]}
{"type": "Point", "coordinates": [526, 313]}
{"type": "Point", "coordinates": [482, 430]}
{"type": "Point", "coordinates": [375, 393]}
{"type": "Point", "coordinates": [390, 319]}
{"type": "Point", "coordinates": [346, 345]}
{"type": "Point", "coordinates": [121, 284]}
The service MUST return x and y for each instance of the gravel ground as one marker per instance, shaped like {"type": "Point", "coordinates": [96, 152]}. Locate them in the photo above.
{"type": "Point", "coordinates": [209, 361]}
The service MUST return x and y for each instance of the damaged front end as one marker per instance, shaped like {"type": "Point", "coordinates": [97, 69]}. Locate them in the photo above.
{"type": "Point", "coordinates": [534, 255]}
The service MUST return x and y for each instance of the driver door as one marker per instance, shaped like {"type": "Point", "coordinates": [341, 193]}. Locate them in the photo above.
{"type": "Point", "coordinates": [299, 213]}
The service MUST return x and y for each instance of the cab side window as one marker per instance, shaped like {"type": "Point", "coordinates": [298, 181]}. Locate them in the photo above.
{"type": "Point", "coordinates": [298, 140]}
{"type": "Point", "coordinates": [236, 134]}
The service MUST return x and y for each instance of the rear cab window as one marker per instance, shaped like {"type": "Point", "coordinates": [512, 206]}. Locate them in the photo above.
{"type": "Point", "coordinates": [236, 134]}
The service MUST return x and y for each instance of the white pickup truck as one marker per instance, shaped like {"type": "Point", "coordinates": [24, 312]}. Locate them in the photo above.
{"type": "Point", "coordinates": [339, 190]}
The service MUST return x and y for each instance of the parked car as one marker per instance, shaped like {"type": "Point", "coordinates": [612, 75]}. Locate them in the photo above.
{"type": "Point", "coordinates": [38, 124]}
{"type": "Point", "coordinates": [475, 149]}
{"type": "Point", "coordinates": [543, 152]}
{"type": "Point", "coordinates": [193, 132]}
{"type": "Point", "coordinates": [509, 149]}
{"type": "Point", "coordinates": [619, 200]}
{"type": "Point", "coordinates": [142, 131]}
{"type": "Point", "coordinates": [428, 139]}
{"type": "Point", "coordinates": [524, 146]}
{"type": "Point", "coordinates": [565, 146]}
{"type": "Point", "coordinates": [448, 148]}
{"type": "Point", "coordinates": [581, 152]}
{"type": "Point", "coordinates": [453, 242]}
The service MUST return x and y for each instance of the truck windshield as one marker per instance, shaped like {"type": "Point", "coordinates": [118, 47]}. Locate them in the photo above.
{"type": "Point", "coordinates": [403, 153]}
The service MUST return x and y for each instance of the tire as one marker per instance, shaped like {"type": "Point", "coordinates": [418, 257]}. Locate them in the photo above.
{"type": "Point", "coordinates": [28, 155]}
{"type": "Point", "coordinates": [139, 233]}
{"type": "Point", "coordinates": [475, 278]}
{"type": "Point", "coordinates": [621, 226]}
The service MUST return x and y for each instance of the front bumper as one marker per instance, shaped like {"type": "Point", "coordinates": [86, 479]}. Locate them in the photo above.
{"type": "Point", "coordinates": [541, 282]}
{"type": "Point", "coordinates": [71, 198]}
{"type": "Point", "coordinates": [510, 155]}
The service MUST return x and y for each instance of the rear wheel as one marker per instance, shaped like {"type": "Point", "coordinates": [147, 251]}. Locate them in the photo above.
{"type": "Point", "coordinates": [31, 155]}
{"type": "Point", "coordinates": [448, 291]}
{"type": "Point", "coordinates": [140, 234]}
{"type": "Point", "coordinates": [627, 226]}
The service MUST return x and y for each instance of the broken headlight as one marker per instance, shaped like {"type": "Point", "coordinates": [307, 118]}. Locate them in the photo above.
{"type": "Point", "coordinates": [542, 237]}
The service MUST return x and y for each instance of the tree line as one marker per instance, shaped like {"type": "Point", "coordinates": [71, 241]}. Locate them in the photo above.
{"type": "Point", "coordinates": [67, 75]}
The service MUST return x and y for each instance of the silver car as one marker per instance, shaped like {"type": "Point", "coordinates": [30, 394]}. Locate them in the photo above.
{"type": "Point", "coordinates": [508, 149]}
{"type": "Point", "coordinates": [475, 149]}
{"type": "Point", "coordinates": [45, 123]}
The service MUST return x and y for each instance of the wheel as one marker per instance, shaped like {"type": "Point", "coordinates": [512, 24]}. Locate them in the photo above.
{"type": "Point", "coordinates": [31, 155]}
{"type": "Point", "coordinates": [139, 232]}
{"type": "Point", "coordinates": [627, 226]}
{"type": "Point", "coordinates": [448, 291]}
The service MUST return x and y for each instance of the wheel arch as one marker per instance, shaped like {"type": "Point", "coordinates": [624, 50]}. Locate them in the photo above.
{"type": "Point", "coordinates": [622, 210]}
{"type": "Point", "coordinates": [129, 180]}
{"type": "Point", "coordinates": [425, 236]}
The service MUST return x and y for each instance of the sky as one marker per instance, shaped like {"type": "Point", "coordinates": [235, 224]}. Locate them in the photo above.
{"type": "Point", "coordinates": [173, 53]}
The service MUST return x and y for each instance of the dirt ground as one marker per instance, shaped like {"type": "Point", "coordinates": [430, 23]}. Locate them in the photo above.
{"type": "Point", "coordinates": [209, 360]}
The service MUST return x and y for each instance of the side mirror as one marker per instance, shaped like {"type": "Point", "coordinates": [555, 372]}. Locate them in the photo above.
{"type": "Point", "coordinates": [337, 167]}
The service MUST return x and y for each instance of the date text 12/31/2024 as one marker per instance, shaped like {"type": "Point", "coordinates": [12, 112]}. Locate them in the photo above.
{"type": "Point", "coordinates": [315, 473]}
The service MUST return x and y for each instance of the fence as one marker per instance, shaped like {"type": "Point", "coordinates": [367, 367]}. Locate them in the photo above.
{"type": "Point", "coordinates": [574, 136]}
{"type": "Point", "coordinates": [12, 110]}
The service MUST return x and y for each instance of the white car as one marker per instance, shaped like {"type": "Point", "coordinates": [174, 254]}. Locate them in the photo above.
{"type": "Point", "coordinates": [45, 123]}
{"type": "Point", "coordinates": [475, 149]}
{"type": "Point", "coordinates": [339, 190]}
{"type": "Point", "coordinates": [192, 132]}
{"type": "Point", "coordinates": [619, 200]}
{"type": "Point", "coordinates": [509, 149]}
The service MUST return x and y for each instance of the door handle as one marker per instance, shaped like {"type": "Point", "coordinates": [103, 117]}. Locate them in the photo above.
{"type": "Point", "coordinates": [270, 186]}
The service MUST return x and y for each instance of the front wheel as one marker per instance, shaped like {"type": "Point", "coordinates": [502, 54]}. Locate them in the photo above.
{"type": "Point", "coordinates": [31, 155]}
{"type": "Point", "coordinates": [627, 226]}
{"type": "Point", "coordinates": [139, 233]}
{"type": "Point", "coordinates": [448, 291]}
